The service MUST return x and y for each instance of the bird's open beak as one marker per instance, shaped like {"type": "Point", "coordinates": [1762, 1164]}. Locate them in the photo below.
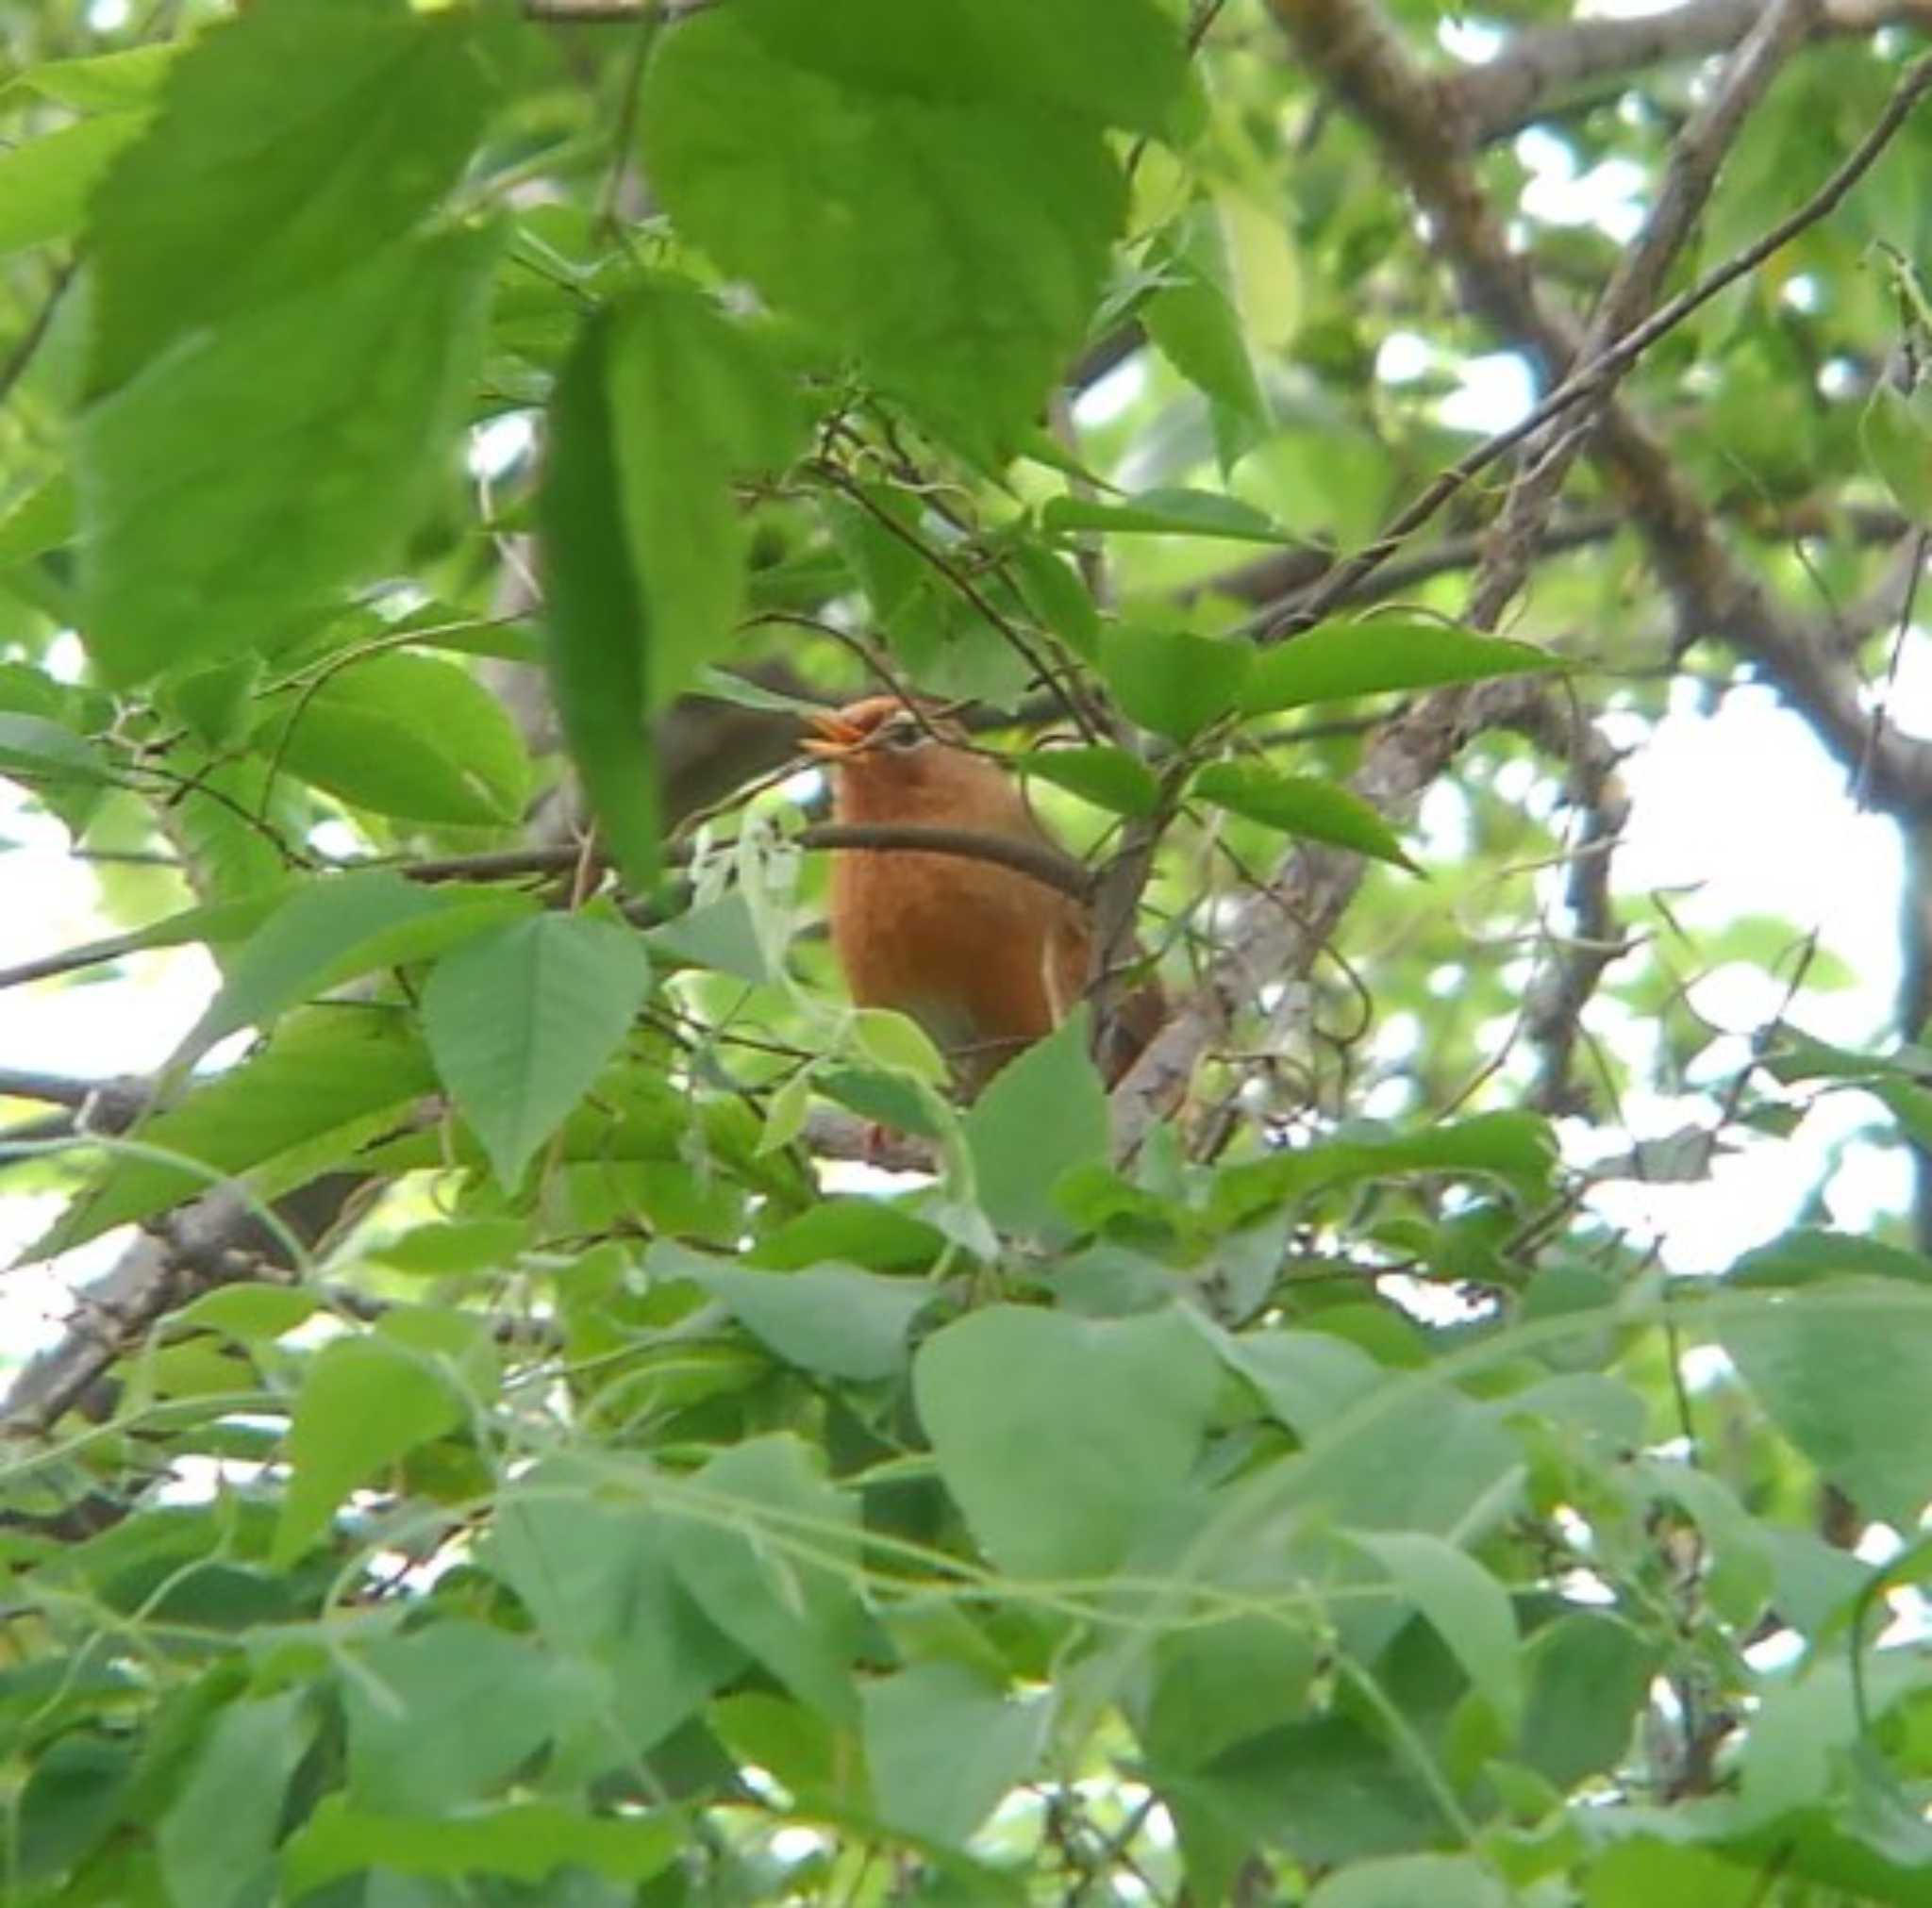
{"type": "Point", "coordinates": [833, 735]}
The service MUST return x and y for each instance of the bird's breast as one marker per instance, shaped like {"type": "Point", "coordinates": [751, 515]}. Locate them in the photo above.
{"type": "Point", "coordinates": [960, 946]}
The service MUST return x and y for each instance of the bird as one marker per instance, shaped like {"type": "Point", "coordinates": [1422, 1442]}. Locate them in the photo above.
{"type": "Point", "coordinates": [986, 960]}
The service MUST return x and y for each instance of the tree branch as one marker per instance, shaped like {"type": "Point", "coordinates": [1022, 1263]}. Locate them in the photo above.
{"type": "Point", "coordinates": [1539, 69]}
{"type": "Point", "coordinates": [1354, 47]}
{"type": "Point", "coordinates": [1688, 176]}
{"type": "Point", "coordinates": [1281, 929]}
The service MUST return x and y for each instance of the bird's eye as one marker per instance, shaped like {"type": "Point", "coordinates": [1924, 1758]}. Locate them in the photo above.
{"type": "Point", "coordinates": [902, 732]}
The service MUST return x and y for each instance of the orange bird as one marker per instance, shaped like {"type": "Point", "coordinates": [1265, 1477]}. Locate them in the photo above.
{"type": "Point", "coordinates": [985, 958]}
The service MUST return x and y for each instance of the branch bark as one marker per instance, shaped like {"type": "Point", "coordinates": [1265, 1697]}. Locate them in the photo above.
{"type": "Point", "coordinates": [1355, 48]}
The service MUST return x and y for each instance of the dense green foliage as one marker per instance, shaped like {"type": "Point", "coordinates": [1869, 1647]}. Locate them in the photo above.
{"type": "Point", "coordinates": [522, 1460]}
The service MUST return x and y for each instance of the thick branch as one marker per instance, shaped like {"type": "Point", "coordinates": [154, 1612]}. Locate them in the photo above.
{"type": "Point", "coordinates": [1688, 176]}
{"type": "Point", "coordinates": [1282, 929]}
{"type": "Point", "coordinates": [1352, 46]}
{"type": "Point", "coordinates": [1543, 68]}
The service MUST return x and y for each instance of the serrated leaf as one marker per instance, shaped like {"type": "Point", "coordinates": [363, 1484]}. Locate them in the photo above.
{"type": "Point", "coordinates": [833, 1320]}
{"type": "Point", "coordinates": [785, 1113]}
{"type": "Point", "coordinates": [978, 227]}
{"type": "Point", "coordinates": [363, 1403]}
{"type": "Point", "coordinates": [1059, 1478]}
{"type": "Point", "coordinates": [1172, 681]}
{"type": "Point", "coordinates": [898, 1042]}
{"type": "Point", "coordinates": [525, 1841]}
{"type": "Point", "coordinates": [693, 403]}
{"type": "Point", "coordinates": [253, 470]}
{"type": "Point", "coordinates": [1117, 62]}
{"type": "Point", "coordinates": [1408, 1881]}
{"type": "Point", "coordinates": [520, 1021]}
{"type": "Point", "coordinates": [1384, 653]}
{"type": "Point", "coordinates": [1303, 805]}
{"type": "Point", "coordinates": [406, 736]}
{"type": "Point", "coordinates": [943, 1747]}
{"type": "Point", "coordinates": [1106, 776]}
{"type": "Point", "coordinates": [1516, 1148]}
{"type": "Point", "coordinates": [1166, 513]}
{"type": "Point", "coordinates": [765, 1562]}
{"type": "Point", "coordinates": [1044, 1114]}
{"type": "Point", "coordinates": [100, 82]}
{"type": "Point", "coordinates": [1466, 1606]}
{"type": "Point", "coordinates": [594, 632]}
{"type": "Point", "coordinates": [292, 141]}
{"type": "Point", "coordinates": [322, 1073]}
{"type": "Point", "coordinates": [1193, 322]}
{"type": "Point", "coordinates": [1846, 1386]}
{"type": "Point", "coordinates": [1895, 432]}
{"type": "Point", "coordinates": [325, 933]}
{"type": "Point", "coordinates": [1059, 597]}
{"type": "Point", "coordinates": [438, 1715]}
{"type": "Point", "coordinates": [1810, 1254]}
{"type": "Point", "coordinates": [46, 183]}
{"type": "Point", "coordinates": [34, 749]}
{"type": "Point", "coordinates": [39, 520]}
{"type": "Point", "coordinates": [220, 1832]}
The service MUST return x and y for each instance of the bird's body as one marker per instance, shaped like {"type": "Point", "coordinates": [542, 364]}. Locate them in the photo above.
{"type": "Point", "coordinates": [985, 958]}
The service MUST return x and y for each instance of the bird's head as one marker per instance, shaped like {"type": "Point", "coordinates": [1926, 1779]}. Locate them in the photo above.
{"type": "Point", "coordinates": [890, 759]}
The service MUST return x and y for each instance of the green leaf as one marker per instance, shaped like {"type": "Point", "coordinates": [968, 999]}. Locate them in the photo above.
{"type": "Point", "coordinates": [1895, 432]}
{"type": "Point", "coordinates": [833, 1320]}
{"type": "Point", "coordinates": [38, 519]}
{"type": "Point", "coordinates": [1301, 806]}
{"type": "Point", "coordinates": [217, 1838]}
{"type": "Point", "coordinates": [1589, 1677]}
{"type": "Point", "coordinates": [46, 184]}
{"type": "Point", "coordinates": [447, 1712]}
{"type": "Point", "coordinates": [520, 1021]}
{"type": "Point", "coordinates": [595, 629]}
{"type": "Point", "coordinates": [1339, 660]}
{"type": "Point", "coordinates": [1643, 1873]}
{"type": "Point", "coordinates": [292, 143]}
{"type": "Point", "coordinates": [1192, 319]}
{"type": "Point", "coordinates": [101, 82]}
{"type": "Point", "coordinates": [1058, 1478]}
{"type": "Point", "coordinates": [325, 933]}
{"type": "Point", "coordinates": [524, 1841]}
{"type": "Point", "coordinates": [866, 1232]}
{"type": "Point", "coordinates": [943, 1747]}
{"type": "Point", "coordinates": [446, 1248]}
{"type": "Point", "coordinates": [1809, 1254]}
{"type": "Point", "coordinates": [1059, 597]}
{"type": "Point", "coordinates": [365, 1402]}
{"type": "Point", "coordinates": [406, 735]}
{"type": "Point", "coordinates": [1108, 777]}
{"type": "Point", "coordinates": [33, 749]}
{"type": "Point", "coordinates": [1166, 513]}
{"type": "Point", "coordinates": [766, 1560]}
{"type": "Point", "coordinates": [721, 936]}
{"type": "Point", "coordinates": [74, 1794]}
{"type": "Point", "coordinates": [1465, 1605]}
{"type": "Point", "coordinates": [322, 1073]}
{"type": "Point", "coordinates": [693, 403]}
{"type": "Point", "coordinates": [1044, 1114]}
{"type": "Point", "coordinates": [595, 1569]}
{"type": "Point", "coordinates": [954, 247]}
{"type": "Point", "coordinates": [1117, 62]}
{"type": "Point", "coordinates": [1219, 1683]}
{"type": "Point", "coordinates": [1170, 681]}
{"type": "Point", "coordinates": [254, 470]}
{"type": "Point", "coordinates": [1846, 1385]}
{"type": "Point", "coordinates": [1516, 1148]}
{"type": "Point", "coordinates": [1411, 1880]}
{"type": "Point", "coordinates": [249, 1314]}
